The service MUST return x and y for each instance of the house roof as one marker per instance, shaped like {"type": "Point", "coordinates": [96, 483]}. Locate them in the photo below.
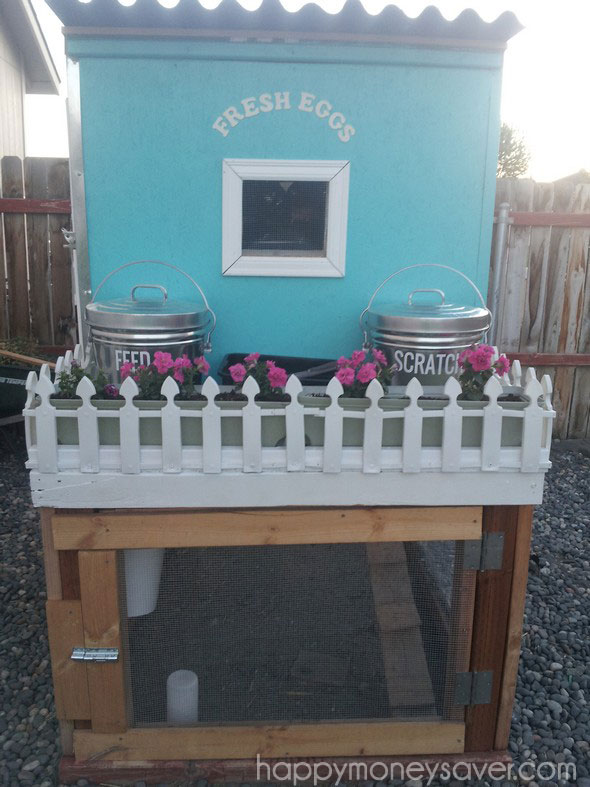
{"type": "Point", "coordinates": [352, 22]}
{"type": "Point", "coordinates": [23, 27]}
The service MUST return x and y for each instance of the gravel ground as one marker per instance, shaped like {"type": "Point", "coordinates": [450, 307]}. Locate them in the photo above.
{"type": "Point", "coordinates": [551, 720]}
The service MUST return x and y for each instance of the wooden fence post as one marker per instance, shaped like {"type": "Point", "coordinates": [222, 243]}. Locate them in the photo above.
{"type": "Point", "coordinates": [16, 250]}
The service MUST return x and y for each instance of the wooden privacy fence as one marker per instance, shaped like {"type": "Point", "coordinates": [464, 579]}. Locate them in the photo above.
{"type": "Point", "coordinates": [35, 268]}
{"type": "Point", "coordinates": [544, 314]}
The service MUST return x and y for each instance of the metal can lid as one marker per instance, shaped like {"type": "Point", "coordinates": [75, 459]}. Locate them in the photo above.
{"type": "Point", "coordinates": [428, 319]}
{"type": "Point", "coordinates": [147, 314]}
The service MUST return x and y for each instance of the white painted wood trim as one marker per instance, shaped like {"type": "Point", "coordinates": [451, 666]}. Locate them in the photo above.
{"type": "Point", "coordinates": [263, 490]}
{"type": "Point", "coordinates": [234, 263]}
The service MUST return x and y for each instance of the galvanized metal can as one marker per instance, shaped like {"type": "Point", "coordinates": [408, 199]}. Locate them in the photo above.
{"type": "Point", "coordinates": [132, 329]}
{"type": "Point", "coordinates": [424, 335]}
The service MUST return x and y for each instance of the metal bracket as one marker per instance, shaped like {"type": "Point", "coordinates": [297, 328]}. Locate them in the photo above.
{"type": "Point", "coordinates": [486, 554]}
{"type": "Point", "coordinates": [473, 688]}
{"type": "Point", "coordinates": [70, 239]}
{"type": "Point", "coordinates": [95, 654]}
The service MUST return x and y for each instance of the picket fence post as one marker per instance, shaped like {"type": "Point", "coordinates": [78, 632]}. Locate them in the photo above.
{"type": "Point", "coordinates": [492, 426]}
{"type": "Point", "coordinates": [211, 421]}
{"type": "Point", "coordinates": [251, 428]}
{"type": "Point", "coordinates": [373, 432]}
{"type": "Point", "coordinates": [532, 428]}
{"type": "Point", "coordinates": [171, 435]}
{"type": "Point", "coordinates": [129, 428]}
{"type": "Point", "coordinates": [295, 426]}
{"type": "Point", "coordinates": [452, 428]}
{"type": "Point", "coordinates": [87, 427]}
{"type": "Point", "coordinates": [333, 428]}
{"type": "Point", "coordinates": [46, 427]}
{"type": "Point", "coordinates": [413, 416]}
{"type": "Point", "coordinates": [30, 386]}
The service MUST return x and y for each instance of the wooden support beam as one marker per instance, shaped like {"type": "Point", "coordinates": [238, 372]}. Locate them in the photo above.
{"type": "Point", "coordinates": [70, 574]}
{"type": "Point", "coordinates": [459, 632]}
{"type": "Point", "coordinates": [70, 682]}
{"type": "Point", "coordinates": [99, 588]}
{"type": "Point", "coordinates": [249, 770]}
{"type": "Point", "coordinates": [251, 527]}
{"type": "Point", "coordinates": [62, 206]}
{"type": "Point", "coordinates": [404, 660]}
{"type": "Point", "coordinates": [522, 550]}
{"type": "Point", "coordinates": [50, 556]}
{"type": "Point", "coordinates": [366, 738]}
{"type": "Point", "coordinates": [551, 359]}
{"type": "Point", "coordinates": [523, 218]}
{"type": "Point", "coordinates": [492, 605]}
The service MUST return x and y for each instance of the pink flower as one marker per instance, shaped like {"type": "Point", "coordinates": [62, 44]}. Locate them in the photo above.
{"type": "Point", "coordinates": [125, 370]}
{"type": "Point", "coordinates": [346, 375]}
{"type": "Point", "coordinates": [486, 348]}
{"type": "Point", "coordinates": [163, 362]}
{"type": "Point", "coordinates": [342, 361]}
{"type": "Point", "coordinates": [380, 357]}
{"type": "Point", "coordinates": [202, 365]}
{"type": "Point", "coordinates": [270, 364]}
{"type": "Point", "coordinates": [178, 374]}
{"type": "Point", "coordinates": [182, 363]}
{"type": "Point", "coordinates": [277, 377]}
{"type": "Point", "coordinates": [357, 358]}
{"type": "Point", "coordinates": [237, 372]}
{"type": "Point", "coordinates": [252, 359]}
{"type": "Point", "coordinates": [366, 373]}
{"type": "Point", "coordinates": [464, 357]}
{"type": "Point", "coordinates": [502, 365]}
{"type": "Point", "coordinates": [480, 359]}
{"type": "Point", "coordinates": [111, 391]}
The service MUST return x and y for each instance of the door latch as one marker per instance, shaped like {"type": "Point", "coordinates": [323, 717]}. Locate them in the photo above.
{"type": "Point", "coordinates": [95, 654]}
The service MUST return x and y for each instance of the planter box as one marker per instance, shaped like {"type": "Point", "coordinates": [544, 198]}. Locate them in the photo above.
{"type": "Point", "coordinates": [274, 429]}
{"type": "Point", "coordinates": [432, 428]}
{"type": "Point", "coordinates": [150, 429]}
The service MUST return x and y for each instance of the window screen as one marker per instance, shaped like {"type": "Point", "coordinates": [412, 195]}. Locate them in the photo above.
{"type": "Point", "coordinates": [306, 632]}
{"type": "Point", "coordinates": [284, 218]}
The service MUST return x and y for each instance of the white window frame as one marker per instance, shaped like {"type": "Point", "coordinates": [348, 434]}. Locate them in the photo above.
{"type": "Point", "coordinates": [235, 263]}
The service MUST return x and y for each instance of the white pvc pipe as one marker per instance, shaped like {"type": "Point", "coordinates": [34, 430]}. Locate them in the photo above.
{"type": "Point", "coordinates": [503, 221]}
{"type": "Point", "coordinates": [143, 568]}
{"type": "Point", "coordinates": [182, 697]}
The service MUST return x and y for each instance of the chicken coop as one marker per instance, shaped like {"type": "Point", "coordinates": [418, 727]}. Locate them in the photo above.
{"type": "Point", "coordinates": [300, 579]}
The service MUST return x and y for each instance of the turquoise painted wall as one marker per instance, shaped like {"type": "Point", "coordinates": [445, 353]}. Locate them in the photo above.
{"type": "Point", "coordinates": [422, 172]}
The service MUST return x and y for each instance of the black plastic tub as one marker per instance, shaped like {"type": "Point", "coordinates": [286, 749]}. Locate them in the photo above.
{"type": "Point", "coordinates": [13, 393]}
{"type": "Point", "coordinates": [291, 363]}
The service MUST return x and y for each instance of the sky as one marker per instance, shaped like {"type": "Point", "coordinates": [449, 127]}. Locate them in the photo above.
{"type": "Point", "coordinates": [544, 89]}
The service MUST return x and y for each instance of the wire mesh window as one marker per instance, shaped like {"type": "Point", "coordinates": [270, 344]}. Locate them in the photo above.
{"type": "Point", "coordinates": [300, 632]}
{"type": "Point", "coordinates": [284, 218]}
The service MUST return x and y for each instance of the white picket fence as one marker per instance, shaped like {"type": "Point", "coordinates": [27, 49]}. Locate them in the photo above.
{"type": "Point", "coordinates": [130, 457]}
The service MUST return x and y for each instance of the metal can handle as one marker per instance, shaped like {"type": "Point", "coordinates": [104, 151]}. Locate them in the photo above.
{"type": "Point", "coordinates": [163, 290]}
{"type": "Point", "coordinates": [427, 289]}
{"type": "Point", "coordinates": [365, 311]}
{"type": "Point", "coordinates": [207, 345]}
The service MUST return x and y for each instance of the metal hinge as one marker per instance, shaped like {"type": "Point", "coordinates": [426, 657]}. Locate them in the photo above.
{"type": "Point", "coordinates": [487, 554]}
{"type": "Point", "coordinates": [95, 654]}
{"type": "Point", "coordinates": [473, 688]}
{"type": "Point", "coordinates": [70, 239]}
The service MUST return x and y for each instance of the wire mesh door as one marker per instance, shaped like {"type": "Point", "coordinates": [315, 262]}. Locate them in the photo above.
{"type": "Point", "coordinates": [297, 633]}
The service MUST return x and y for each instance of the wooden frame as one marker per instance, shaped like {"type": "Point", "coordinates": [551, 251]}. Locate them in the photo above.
{"type": "Point", "coordinates": [248, 770]}
{"type": "Point", "coordinates": [81, 556]}
{"type": "Point", "coordinates": [251, 527]}
{"type": "Point", "coordinates": [328, 264]}
{"type": "Point", "coordinates": [368, 738]}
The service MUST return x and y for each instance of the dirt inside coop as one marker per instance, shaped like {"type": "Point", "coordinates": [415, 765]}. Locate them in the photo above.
{"type": "Point", "coordinates": [304, 632]}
